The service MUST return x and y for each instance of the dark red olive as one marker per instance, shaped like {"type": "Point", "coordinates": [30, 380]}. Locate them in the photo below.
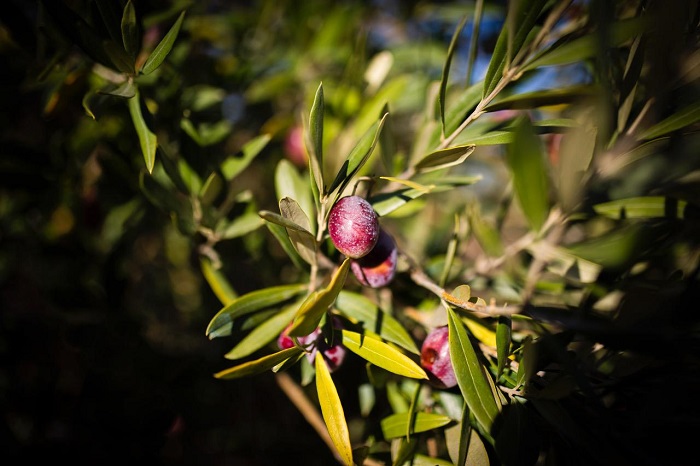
{"type": "Point", "coordinates": [333, 355]}
{"type": "Point", "coordinates": [353, 226]}
{"type": "Point", "coordinates": [378, 267]}
{"type": "Point", "coordinates": [435, 358]}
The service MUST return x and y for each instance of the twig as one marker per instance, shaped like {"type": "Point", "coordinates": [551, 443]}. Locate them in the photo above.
{"type": "Point", "coordinates": [296, 395]}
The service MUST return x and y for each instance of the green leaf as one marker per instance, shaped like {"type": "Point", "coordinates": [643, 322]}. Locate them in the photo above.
{"type": "Point", "coordinates": [282, 221]}
{"type": "Point", "coordinates": [317, 303]}
{"type": "Point", "coordinates": [217, 282]}
{"type": "Point", "coordinates": [680, 119]}
{"type": "Point", "coordinates": [575, 155]}
{"type": "Point", "coordinates": [302, 240]}
{"type": "Point", "coordinates": [387, 142]}
{"type": "Point", "coordinates": [484, 232]}
{"type": "Point", "coordinates": [504, 329]}
{"type": "Point", "coordinates": [332, 410]}
{"type": "Point", "coordinates": [314, 143]}
{"type": "Point", "coordinates": [397, 425]}
{"type": "Point", "coordinates": [459, 108]}
{"type": "Point", "coordinates": [234, 165]}
{"type": "Point", "coordinates": [568, 51]}
{"type": "Point", "coordinates": [242, 225]}
{"type": "Point", "coordinates": [536, 99]}
{"type": "Point", "coordinates": [211, 189]}
{"type": "Point", "coordinates": [444, 158]}
{"type": "Point", "coordinates": [360, 308]}
{"type": "Point", "coordinates": [386, 203]}
{"type": "Point", "coordinates": [425, 460]}
{"type": "Point", "coordinates": [530, 181]}
{"type": "Point", "coordinates": [444, 79]}
{"type": "Point", "coordinates": [289, 183]}
{"type": "Point", "coordinates": [222, 323]}
{"type": "Point", "coordinates": [147, 138]}
{"type": "Point", "coordinates": [126, 90]}
{"type": "Point", "coordinates": [525, 16]}
{"type": "Point", "coordinates": [382, 355]}
{"type": "Point", "coordinates": [642, 207]}
{"type": "Point", "coordinates": [357, 157]}
{"type": "Point", "coordinates": [280, 233]}
{"type": "Point", "coordinates": [263, 334]}
{"type": "Point", "coordinates": [470, 374]}
{"type": "Point", "coordinates": [616, 248]}
{"type": "Point", "coordinates": [259, 365]}
{"type": "Point", "coordinates": [130, 31]}
{"type": "Point", "coordinates": [156, 58]}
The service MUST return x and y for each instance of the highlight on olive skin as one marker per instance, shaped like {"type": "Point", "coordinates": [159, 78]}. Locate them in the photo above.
{"type": "Point", "coordinates": [378, 267]}
{"type": "Point", "coordinates": [353, 226]}
{"type": "Point", "coordinates": [435, 358]}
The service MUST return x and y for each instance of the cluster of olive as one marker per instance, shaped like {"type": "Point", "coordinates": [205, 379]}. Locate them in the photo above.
{"type": "Point", "coordinates": [354, 228]}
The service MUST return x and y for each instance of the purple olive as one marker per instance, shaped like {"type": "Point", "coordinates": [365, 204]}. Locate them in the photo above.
{"type": "Point", "coordinates": [353, 226]}
{"type": "Point", "coordinates": [333, 355]}
{"type": "Point", "coordinates": [378, 267]}
{"type": "Point", "coordinates": [435, 358]}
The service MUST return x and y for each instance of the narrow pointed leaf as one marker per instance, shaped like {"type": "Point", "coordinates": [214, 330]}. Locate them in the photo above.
{"type": "Point", "coordinates": [156, 58]}
{"type": "Point", "coordinates": [259, 366]}
{"type": "Point", "coordinates": [444, 79]}
{"type": "Point", "coordinates": [147, 138]}
{"type": "Point", "coordinates": [530, 179]}
{"type": "Point", "coordinates": [444, 158]}
{"type": "Point", "coordinates": [222, 322]}
{"type": "Point", "coordinates": [217, 282]}
{"type": "Point", "coordinates": [357, 157]}
{"type": "Point", "coordinates": [362, 309]}
{"type": "Point", "coordinates": [241, 226]}
{"type": "Point", "coordinates": [504, 329]}
{"type": "Point", "coordinates": [314, 142]}
{"type": "Point", "coordinates": [642, 207]}
{"type": "Point", "coordinates": [280, 233]}
{"type": "Point", "coordinates": [536, 99]}
{"type": "Point", "coordinates": [129, 30]}
{"type": "Point", "coordinates": [522, 18]}
{"type": "Point", "coordinates": [303, 241]}
{"type": "Point", "coordinates": [387, 142]}
{"type": "Point", "coordinates": [290, 183]}
{"type": "Point", "coordinates": [382, 355]}
{"type": "Point", "coordinates": [332, 411]}
{"type": "Point", "coordinates": [234, 165]}
{"type": "Point", "coordinates": [278, 219]}
{"type": "Point", "coordinates": [317, 303]}
{"type": "Point", "coordinates": [262, 334]}
{"type": "Point", "coordinates": [682, 118]}
{"type": "Point", "coordinates": [470, 374]}
{"type": "Point", "coordinates": [397, 425]}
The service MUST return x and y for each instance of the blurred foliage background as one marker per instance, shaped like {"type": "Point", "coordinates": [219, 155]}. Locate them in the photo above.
{"type": "Point", "coordinates": [103, 266]}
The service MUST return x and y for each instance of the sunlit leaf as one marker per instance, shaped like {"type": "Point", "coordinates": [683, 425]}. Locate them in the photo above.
{"type": "Point", "coordinates": [159, 54]}
{"type": "Point", "coordinates": [222, 323]}
{"type": "Point", "coordinates": [642, 207]}
{"type": "Point", "coordinates": [262, 334]}
{"type": "Point", "coordinates": [332, 410]}
{"type": "Point", "coordinates": [362, 309]}
{"type": "Point", "coordinates": [317, 303]}
{"type": "Point", "coordinates": [234, 165]}
{"type": "Point", "coordinates": [217, 282]}
{"type": "Point", "coordinates": [396, 425]}
{"type": "Point", "coordinates": [529, 172]}
{"type": "Point", "coordinates": [470, 374]}
{"type": "Point", "coordinates": [259, 366]}
{"type": "Point", "coordinates": [147, 138]}
{"type": "Point", "coordinates": [444, 158]}
{"type": "Point", "coordinates": [357, 157]}
{"type": "Point", "coordinates": [382, 355]}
